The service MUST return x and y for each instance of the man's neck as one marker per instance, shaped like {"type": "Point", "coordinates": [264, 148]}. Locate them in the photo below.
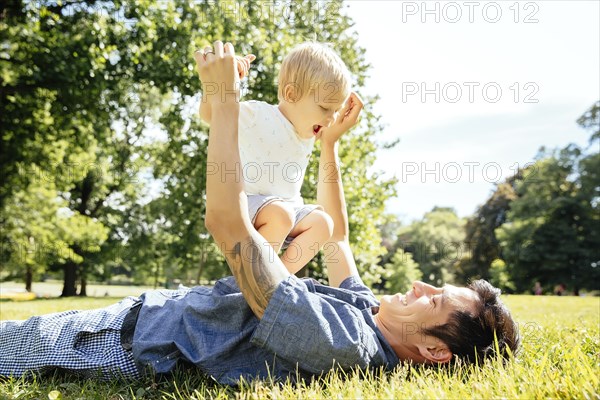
{"type": "Point", "coordinates": [397, 340]}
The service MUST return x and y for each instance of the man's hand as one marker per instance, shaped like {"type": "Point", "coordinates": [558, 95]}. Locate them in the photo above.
{"type": "Point", "coordinates": [218, 71]}
{"type": "Point", "coordinates": [346, 119]}
{"type": "Point", "coordinates": [243, 66]}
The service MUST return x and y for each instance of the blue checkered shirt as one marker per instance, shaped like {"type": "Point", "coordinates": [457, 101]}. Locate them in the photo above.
{"type": "Point", "coordinates": [85, 343]}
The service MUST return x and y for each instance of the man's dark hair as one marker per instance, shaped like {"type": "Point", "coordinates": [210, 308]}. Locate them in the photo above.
{"type": "Point", "coordinates": [473, 337]}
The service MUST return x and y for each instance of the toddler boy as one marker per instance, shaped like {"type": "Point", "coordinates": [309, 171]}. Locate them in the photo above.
{"type": "Point", "coordinates": [276, 141]}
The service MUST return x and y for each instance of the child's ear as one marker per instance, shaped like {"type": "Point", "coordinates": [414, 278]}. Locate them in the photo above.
{"type": "Point", "coordinates": [290, 93]}
{"type": "Point", "coordinates": [435, 354]}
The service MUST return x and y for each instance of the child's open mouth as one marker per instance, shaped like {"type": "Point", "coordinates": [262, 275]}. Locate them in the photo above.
{"type": "Point", "coordinates": [316, 129]}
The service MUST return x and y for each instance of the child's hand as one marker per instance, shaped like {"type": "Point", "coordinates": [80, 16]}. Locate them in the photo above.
{"type": "Point", "coordinates": [243, 64]}
{"type": "Point", "coordinates": [346, 119]}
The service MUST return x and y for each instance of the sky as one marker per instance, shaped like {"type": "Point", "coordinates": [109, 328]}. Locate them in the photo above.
{"type": "Point", "coordinates": [473, 95]}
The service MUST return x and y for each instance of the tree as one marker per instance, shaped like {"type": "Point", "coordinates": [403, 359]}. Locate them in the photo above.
{"type": "Point", "coordinates": [389, 237]}
{"type": "Point", "coordinates": [436, 243]}
{"type": "Point", "coordinates": [543, 221]}
{"type": "Point", "coordinates": [181, 162]}
{"type": "Point", "coordinates": [552, 233]}
{"type": "Point", "coordinates": [481, 242]}
{"type": "Point", "coordinates": [42, 231]}
{"type": "Point", "coordinates": [54, 116]}
{"type": "Point", "coordinates": [499, 276]}
{"type": "Point", "coordinates": [401, 272]}
{"type": "Point", "coordinates": [590, 120]}
{"type": "Point", "coordinates": [108, 92]}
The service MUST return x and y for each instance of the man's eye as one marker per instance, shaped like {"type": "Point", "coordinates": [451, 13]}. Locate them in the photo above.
{"type": "Point", "coordinates": [323, 108]}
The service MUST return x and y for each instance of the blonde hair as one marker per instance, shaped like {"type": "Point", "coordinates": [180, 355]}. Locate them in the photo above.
{"type": "Point", "coordinates": [310, 64]}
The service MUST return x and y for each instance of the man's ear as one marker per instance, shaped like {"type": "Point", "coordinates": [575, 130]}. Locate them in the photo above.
{"type": "Point", "coordinates": [437, 353]}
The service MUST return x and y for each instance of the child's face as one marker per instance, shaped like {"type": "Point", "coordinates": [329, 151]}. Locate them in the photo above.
{"type": "Point", "coordinates": [316, 111]}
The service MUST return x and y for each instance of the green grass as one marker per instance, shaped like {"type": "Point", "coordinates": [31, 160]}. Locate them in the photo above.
{"type": "Point", "coordinates": [54, 289]}
{"type": "Point", "coordinates": [560, 358]}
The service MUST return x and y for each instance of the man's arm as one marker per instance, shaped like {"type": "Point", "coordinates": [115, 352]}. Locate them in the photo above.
{"type": "Point", "coordinates": [205, 111]}
{"type": "Point", "coordinates": [330, 194]}
{"type": "Point", "coordinates": [256, 268]}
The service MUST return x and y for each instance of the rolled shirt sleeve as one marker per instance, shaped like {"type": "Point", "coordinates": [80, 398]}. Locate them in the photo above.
{"type": "Point", "coordinates": [356, 285]}
{"type": "Point", "coordinates": [316, 332]}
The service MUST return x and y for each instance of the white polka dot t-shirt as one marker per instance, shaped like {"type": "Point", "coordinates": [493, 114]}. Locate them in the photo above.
{"type": "Point", "coordinates": [274, 158]}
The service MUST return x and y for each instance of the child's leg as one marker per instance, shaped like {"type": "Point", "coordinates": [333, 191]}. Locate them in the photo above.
{"type": "Point", "coordinates": [310, 235]}
{"type": "Point", "coordinates": [274, 222]}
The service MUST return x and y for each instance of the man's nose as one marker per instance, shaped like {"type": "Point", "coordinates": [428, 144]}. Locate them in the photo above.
{"type": "Point", "coordinates": [422, 288]}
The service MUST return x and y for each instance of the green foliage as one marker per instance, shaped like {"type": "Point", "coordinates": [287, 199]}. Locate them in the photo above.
{"type": "Point", "coordinates": [436, 243]}
{"type": "Point", "coordinates": [480, 237]}
{"type": "Point", "coordinates": [64, 126]}
{"type": "Point", "coordinates": [401, 272]}
{"type": "Point", "coordinates": [499, 276]}
{"type": "Point", "coordinates": [180, 163]}
{"type": "Point", "coordinates": [590, 120]}
{"type": "Point", "coordinates": [42, 229]}
{"type": "Point", "coordinates": [551, 233]}
{"type": "Point", "coordinates": [559, 359]}
{"type": "Point", "coordinates": [99, 105]}
{"type": "Point", "coordinates": [543, 222]}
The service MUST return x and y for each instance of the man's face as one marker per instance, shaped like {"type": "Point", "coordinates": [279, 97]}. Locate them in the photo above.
{"type": "Point", "coordinates": [316, 110]}
{"type": "Point", "coordinates": [424, 306]}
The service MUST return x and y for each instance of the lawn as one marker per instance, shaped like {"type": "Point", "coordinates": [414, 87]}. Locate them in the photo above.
{"type": "Point", "coordinates": [54, 288]}
{"type": "Point", "coordinates": [560, 358]}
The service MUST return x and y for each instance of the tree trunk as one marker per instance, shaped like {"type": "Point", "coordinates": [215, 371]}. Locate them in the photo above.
{"type": "Point", "coordinates": [70, 279]}
{"type": "Point", "coordinates": [201, 266]}
{"type": "Point", "coordinates": [83, 285]}
{"type": "Point", "coordinates": [156, 272]}
{"type": "Point", "coordinates": [28, 278]}
{"type": "Point", "coordinates": [199, 276]}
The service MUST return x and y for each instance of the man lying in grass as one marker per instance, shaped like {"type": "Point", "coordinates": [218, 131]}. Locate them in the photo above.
{"type": "Point", "coordinates": [264, 322]}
